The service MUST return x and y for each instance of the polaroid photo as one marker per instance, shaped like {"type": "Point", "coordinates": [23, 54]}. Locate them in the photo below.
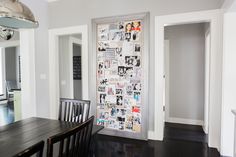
{"type": "Point", "coordinates": [104, 82]}
{"type": "Point", "coordinates": [128, 48]}
{"type": "Point", "coordinates": [128, 126]}
{"type": "Point", "coordinates": [121, 125]}
{"type": "Point", "coordinates": [136, 26]}
{"type": "Point", "coordinates": [137, 118]}
{"type": "Point", "coordinates": [128, 27]}
{"type": "Point", "coordinates": [100, 122]}
{"type": "Point", "coordinates": [111, 90]}
{"type": "Point", "coordinates": [129, 72]}
{"type": "Point", "coordinates": [120, 84]}
{"type": "Point", "coordinates": [107, 64]}
{"type": "Point", "coordinates": [113, 124]}
{"type": "Point", "coordinates": [109, 105]}
{"type": "Point", "coordinates": [136, 109]}
{"type": "Point", "coordinates": [102, 46]}
{"type": "Point", "coordinates": [128, 36]}
{"type": "Point", "coordinates": [137, 73]}
{"type": "Point", "coordinates": [121, 71]}
{"type": "Point", "coordinates": [119, 52]}
{"type": "Point", "coordinates": [101, 89]}
{"type": "Point", "coordinates": [100, 56]}
{"type": "Point", "coordinates": [103, 32]}
{"type": "Point", "coordinates": [120, 119]}
{"type": "Point", "coordinates": [137, 96]}
{"type": "Point", "coordinates": [116, 35]}
{"type": "Point", "coordinates": [132, 61]}
{"type": "Point", "coordinates": [137, 128]}
{"type": "Point", "coordinates": [137, 48]}
{"type": "Point", "coordinates": [110, 54]}
{"type": "Point", "coordinates": [129, 90]}
{"type": "Point", "coordinates": [102, 99]}
{"type": "Point", "coordinates": [135, 36]}
{"type": "Point", "coordinates": [114, 79]}
{"type": "Point", "coordinates": [129, 117]}
{"type": "Point", "coordinates": [113, 112]}
{"type": "Point", "coordinates": [100, 73]}
{"type": "Point", "coordinates": [119, 91]}
{"type": "Point", "coordinates": [119, 100]}
{"type": "Point", "coordinates": [110, 99]}
{"type": "Point", "coordinates": [136, 86]}
{"type": "Point", "coordinates": [100, 65]}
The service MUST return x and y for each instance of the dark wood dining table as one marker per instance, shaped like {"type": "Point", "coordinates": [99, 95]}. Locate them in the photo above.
{"type": "Point", "coordinates": [22, 134]}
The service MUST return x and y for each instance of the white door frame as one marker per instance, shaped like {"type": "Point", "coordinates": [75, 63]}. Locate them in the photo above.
{"type": "Point", "coordinates": [3, 45]}
{"type": "Point", "coordinates": [207, 80]}
{"type": "Point", "coordinates": [28, 80]}
{"type": "Point", "coordinates": [54, 91]}
{"type": "Point", "coordinates": [28, 83]}
{"type": "Point", "coordinates": [166, 67]}
{"type": "Point", "coordinates": [215, 19]}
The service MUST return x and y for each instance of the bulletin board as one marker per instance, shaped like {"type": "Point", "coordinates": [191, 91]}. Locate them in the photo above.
{"type": "Point", "coordinates": [121, 70]}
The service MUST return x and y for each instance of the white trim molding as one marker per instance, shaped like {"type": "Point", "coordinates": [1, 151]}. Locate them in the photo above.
{"type": "Point", "coordinates": [214, 17]}
{"type": "Point", "coordinates": [54, 91]}
{"type": "Point", "coordinates": [184, 121]}
{"type": "Point", "coordinates": [28, 81]}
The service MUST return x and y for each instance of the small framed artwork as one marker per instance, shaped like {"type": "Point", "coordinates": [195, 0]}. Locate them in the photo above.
{"type": "Point", "coordinates": [77, 67]}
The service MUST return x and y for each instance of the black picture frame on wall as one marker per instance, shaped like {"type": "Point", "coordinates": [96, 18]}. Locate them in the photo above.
{"type": "Point", "coordinates": [77, 68]}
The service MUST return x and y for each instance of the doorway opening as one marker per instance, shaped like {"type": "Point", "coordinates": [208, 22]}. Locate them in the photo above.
{"type": "Point", "coordinates": [10, 80]}
{"type": "Point", "coordinates": [70, 67]}
{"type": "Point", "coordinates": [186, 71]}
{"type": "Point", "coordinates": [78, 36]}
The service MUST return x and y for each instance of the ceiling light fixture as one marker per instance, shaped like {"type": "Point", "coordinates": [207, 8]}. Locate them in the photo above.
{"type": "Point", "coordinates": [15, 15]}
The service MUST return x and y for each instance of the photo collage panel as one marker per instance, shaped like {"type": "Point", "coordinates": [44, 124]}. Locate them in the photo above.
{"type": "Point", "coordinates": [119, 75]}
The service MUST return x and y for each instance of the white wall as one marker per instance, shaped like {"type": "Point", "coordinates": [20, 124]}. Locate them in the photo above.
{"type": "Point", "coordinates": [186, 73]}
{"type": "Point", "coordinates": [81, 12]}
{"type": "Point", "coordinates": [40, 10]}
{"type": "Point", "coordinates": [65, 59]}
{"type": "Point", "coordinates": [229, 84]}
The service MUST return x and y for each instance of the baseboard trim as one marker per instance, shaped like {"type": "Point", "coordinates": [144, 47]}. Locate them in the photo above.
{"type": "Point", "coordinates": [184, 121]}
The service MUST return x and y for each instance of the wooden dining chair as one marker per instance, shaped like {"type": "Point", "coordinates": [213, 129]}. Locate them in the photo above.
{"type": "Point", "coordinates": [72, 143]}
{"type": "Point", "coordinates": [36, 149]}
{"type": "Point", "coordinates": [73, 110]}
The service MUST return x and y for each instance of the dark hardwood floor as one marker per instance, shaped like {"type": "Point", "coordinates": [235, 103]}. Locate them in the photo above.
{"type": "Point", "coordinates": [179, 141]}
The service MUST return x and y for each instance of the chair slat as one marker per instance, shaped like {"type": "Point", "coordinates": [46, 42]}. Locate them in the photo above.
{"type": "Point", "coordinates": [74, 110]}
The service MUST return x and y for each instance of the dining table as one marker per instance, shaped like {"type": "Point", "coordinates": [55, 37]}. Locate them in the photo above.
{"type": "Point", "coordinates": [20, 135]}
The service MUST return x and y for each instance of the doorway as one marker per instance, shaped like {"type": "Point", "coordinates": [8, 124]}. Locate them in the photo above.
{"type": "Point", "coordinates": [215, 70]}
{"type": "Point", "coordinates": [54, 66]}
{"type": "Point", "coordinates": [70, 68]}
{"type": "Point", "coordinates": [185, 81]}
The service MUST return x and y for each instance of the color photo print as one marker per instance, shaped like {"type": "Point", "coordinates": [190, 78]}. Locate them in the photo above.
{"type": "Point", "coordinates": [119, 75]}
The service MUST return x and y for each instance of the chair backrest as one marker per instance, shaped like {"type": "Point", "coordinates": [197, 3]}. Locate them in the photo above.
{"type": "Point", "coordinates": [73, 110]}
{"type": "Point", "coordinates": [36, 149]}
{"type": "Point", "coordinates": [72, 143]}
